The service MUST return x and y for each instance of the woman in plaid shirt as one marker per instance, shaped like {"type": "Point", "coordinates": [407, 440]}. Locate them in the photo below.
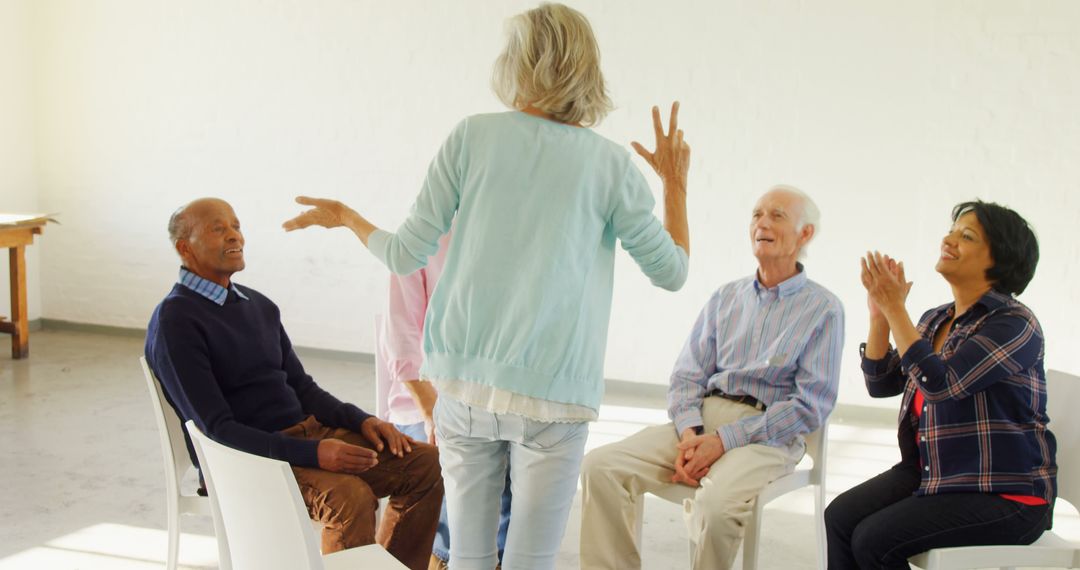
{"type": "Point", "coordinates": [977, 460]}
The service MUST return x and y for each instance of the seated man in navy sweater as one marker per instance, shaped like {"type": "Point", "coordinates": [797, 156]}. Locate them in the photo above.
{"type": "Point", "coordinates": [224, 361]}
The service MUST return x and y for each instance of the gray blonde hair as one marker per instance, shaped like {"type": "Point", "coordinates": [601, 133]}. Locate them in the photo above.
{"type": "Point", "coordinates": [552, 63]}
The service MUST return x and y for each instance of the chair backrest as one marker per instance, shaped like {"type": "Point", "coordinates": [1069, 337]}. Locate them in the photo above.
{"type": "Point", "coordinates": [1062, 394]}
{"type": "Point", "coordinates": [382, 372]}
{"type": "Point", "coordinates": [259, 504]}
{"type": "Point", "coordinates": [170, 430]}
{"type": "Point", "coordinates": [817, 447]}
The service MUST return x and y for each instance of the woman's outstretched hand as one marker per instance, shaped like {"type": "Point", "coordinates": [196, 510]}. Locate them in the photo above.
{"type": "Point", "coordinates": [671, 159]}
{"type": "Point", "coordinates": [325, 213]}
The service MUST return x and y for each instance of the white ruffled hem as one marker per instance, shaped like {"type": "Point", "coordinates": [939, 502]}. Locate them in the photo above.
{"type": "Point", "coordinates": [499, 401]}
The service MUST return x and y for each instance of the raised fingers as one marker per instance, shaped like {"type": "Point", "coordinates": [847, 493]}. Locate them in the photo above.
{"type": "Point", "coordinates": [673, 125]}
{"type": "Point", "coordinates": [879, 263]}
{"type": "Point", "coordinates": [870, 264]}
{"type": "Point", "coordinates": [864, 268]}
{"type": "Point", "coordinates": [658, 127]}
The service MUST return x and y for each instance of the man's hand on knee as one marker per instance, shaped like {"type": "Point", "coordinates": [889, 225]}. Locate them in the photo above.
{"type": "Point", "coordinates": [377, 431]}
{"type": "Point", "coordinates": [340, 457]}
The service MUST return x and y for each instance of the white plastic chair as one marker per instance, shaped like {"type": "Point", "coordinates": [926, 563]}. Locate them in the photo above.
{"type": "Point", "coordinates": [816, 448]}
{"type": "Point", "coordinates": [382, 373]}
{"type": "Point", "coordinates": [1050, 551]}
{"type": "Point", "coordinates": [257, 503]}
{"type": "Point", "coordinates": [181, 477]}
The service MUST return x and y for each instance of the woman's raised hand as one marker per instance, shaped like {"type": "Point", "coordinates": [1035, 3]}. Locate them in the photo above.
{"type": "Point", "coordinates": [325, 213]}
{"type": "Point", "coordinates": [886, 285]}
{"type": "Point", "coordinates": [671, 159]}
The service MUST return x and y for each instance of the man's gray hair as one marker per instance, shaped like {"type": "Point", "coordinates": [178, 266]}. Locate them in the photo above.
{"type": "Point", "coordinates": [810, 215]}
{"type": "Point", "coordinates": [180, 225]}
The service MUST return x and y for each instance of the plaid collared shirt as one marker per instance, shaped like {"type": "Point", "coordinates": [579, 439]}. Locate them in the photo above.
{"type": "Point", "coordinates": [983, 427]}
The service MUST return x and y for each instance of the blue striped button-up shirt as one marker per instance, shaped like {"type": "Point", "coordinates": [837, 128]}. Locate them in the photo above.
{"type": "Point", "coordinates": [984, 426]}
{"type": "Point", "coordinates": [780, 345]}
{"type": "Point", "coordinates": [207, 288]}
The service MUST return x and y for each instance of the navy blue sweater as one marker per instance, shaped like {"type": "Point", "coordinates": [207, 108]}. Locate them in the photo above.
{"type": "Point", "coordinates": [232, 369]}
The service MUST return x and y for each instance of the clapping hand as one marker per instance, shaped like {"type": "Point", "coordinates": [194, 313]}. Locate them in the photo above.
{"type": "Point", "coordinates": [887, 287]}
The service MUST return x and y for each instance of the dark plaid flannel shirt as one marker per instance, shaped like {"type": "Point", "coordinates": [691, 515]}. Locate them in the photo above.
{"type": "Point", "coordinates": [983, 426]}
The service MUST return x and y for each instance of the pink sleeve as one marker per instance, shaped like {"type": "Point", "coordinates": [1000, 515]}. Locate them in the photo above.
{"type": "Point", "coordinates": [407, 306]}
{"type": "Point", "coordinates": [405, 324]}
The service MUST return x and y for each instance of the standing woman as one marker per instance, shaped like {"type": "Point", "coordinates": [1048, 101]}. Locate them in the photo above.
{"type": "Point", "coordinates": [977, 460]}
{"type": "Point", "coordinates": [515, 334]}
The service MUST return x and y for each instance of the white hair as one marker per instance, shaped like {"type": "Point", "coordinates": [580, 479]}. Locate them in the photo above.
{"type": "Point", "coordinates": [810, 216]}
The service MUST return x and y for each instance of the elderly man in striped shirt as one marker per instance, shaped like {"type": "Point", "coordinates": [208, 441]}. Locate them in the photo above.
{"type": "Point", "coordinates": [758, 372]}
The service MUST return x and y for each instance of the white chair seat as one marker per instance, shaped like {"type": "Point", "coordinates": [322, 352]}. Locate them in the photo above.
{"type": "Point", "coordinates": [370, 556]}
{"type": "Point", "coordinates": [1049, 551]}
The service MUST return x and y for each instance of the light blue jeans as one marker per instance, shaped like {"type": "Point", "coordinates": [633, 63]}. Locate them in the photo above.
{"type": "Point", "coordinates": [475, 449]}
{"type": "Point", "coordinates": [441, 548]}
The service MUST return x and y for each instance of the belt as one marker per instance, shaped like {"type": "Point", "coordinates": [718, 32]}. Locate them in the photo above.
{"type": "Point", "coordinates": [742, 399]}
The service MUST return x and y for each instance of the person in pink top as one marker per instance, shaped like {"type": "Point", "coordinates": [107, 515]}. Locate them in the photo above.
{"type": "Point", "coordinates": [410, 402]}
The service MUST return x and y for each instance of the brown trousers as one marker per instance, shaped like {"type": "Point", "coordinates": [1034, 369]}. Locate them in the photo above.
{"type": "Point", "coordinates": [345, 503]}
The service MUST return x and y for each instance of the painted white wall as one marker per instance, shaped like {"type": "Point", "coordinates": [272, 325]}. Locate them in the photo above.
{"type": "Point", "coordinates": [18, 185]}
{"type": "Point", "coordinates": [888, 113]}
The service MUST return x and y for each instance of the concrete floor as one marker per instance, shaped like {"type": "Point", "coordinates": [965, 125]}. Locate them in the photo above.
{"type": "Point", "coordinates": [83, 483]}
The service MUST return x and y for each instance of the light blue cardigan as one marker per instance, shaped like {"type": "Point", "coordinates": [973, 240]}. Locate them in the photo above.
{"type": "Point", "coordinates": [524, 300]}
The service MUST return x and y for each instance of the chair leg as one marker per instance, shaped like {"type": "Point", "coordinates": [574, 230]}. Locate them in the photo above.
{"type": "Point", "coordinates": [692, 536]}
{"type": "Point", "coordinates": [751, 544]}
{"type": "Point", "coordinates": [172, 507]}
{"type": "Point", "coordinates": [224, 556]}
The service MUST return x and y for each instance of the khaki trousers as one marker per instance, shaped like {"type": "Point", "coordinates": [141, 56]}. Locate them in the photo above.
{"type": "Point", "coordinates": [615, 477]}
{"type": "Point", "coordinates": [346, 503]}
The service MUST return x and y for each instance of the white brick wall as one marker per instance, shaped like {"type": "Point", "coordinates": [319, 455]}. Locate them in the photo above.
{"type": "Point", "coordinates": [888, 113]}
{"type": "Point", "coordinates": [18, 188]}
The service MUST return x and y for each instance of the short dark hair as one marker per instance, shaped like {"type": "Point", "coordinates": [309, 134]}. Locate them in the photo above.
{"type": "Point", "coordinates": [1013, 245]}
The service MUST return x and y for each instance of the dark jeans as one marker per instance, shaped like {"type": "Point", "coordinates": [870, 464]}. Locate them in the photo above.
{"type": "Point", "coordinates": [879, 523]}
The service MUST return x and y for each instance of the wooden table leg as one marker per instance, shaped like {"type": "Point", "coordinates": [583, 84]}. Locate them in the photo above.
{"type": "Point", "coordinates": [20, 338]}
